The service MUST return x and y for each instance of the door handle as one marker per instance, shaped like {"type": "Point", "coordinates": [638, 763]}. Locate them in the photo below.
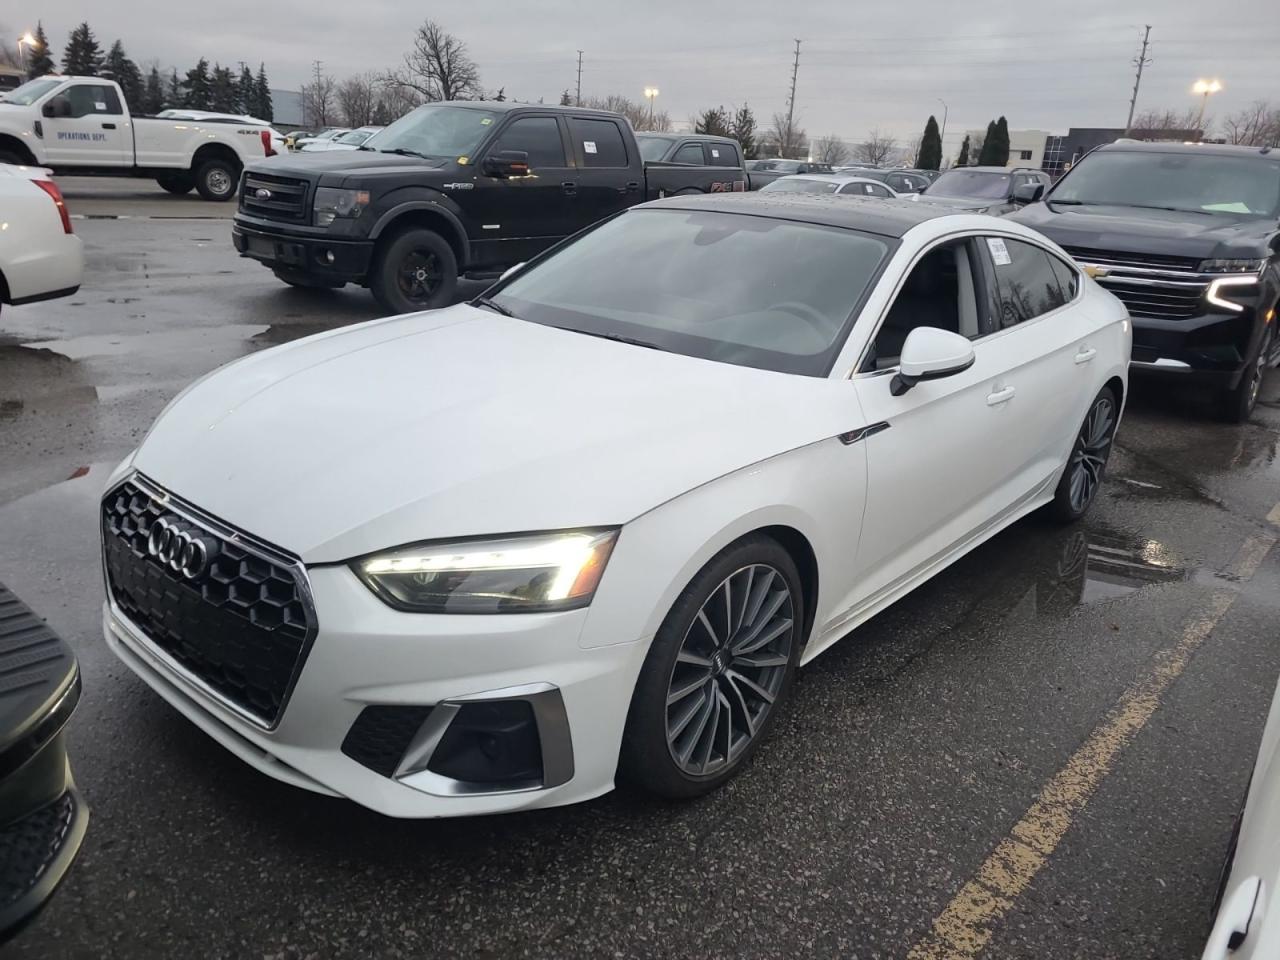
{"type": "Point", "coordinates": [1000, 396]}
{"type": "Point", "coordinates": [570, 188]}
{"type": "Point", "coordinates": [1086, 354]}
{"type": "Point", "coordinates": [633, 186]}
{"type": "Point", "coordinates": [108, 126]}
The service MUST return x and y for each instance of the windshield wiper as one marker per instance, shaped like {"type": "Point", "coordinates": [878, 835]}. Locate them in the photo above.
{"type": "Point", "coordinates": [403, 152]}
{"type": "Point", "coordinates": [619, 338]}
{"type": "Point", "coordinates": [1152, 206]}
{"type": "Point", "coordinates": [1066, 203]}
{"type": "Point", "coordinates": [495, 307]}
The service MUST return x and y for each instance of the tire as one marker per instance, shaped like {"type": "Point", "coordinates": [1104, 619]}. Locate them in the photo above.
{"type": "Point", "coordinates": [176, 183]}
{"type": "Point", "coordinates": [304, 282]}
{"type": "Point", "coordinates": [414, 270]}
{"type": "Point", "coordinates": [690, 746]}
{"type": "Point", "coordinates": [1087, 463]}
{"type": "Point", "coordinates": [11, 156]}
{"type": "Point", "coordinates": [1236, 406]}
{"type": "Point", "coordinates": [216, 180]}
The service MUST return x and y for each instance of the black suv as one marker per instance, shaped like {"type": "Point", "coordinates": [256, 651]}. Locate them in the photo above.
{"type": "Point", "coordinates": [1187, 235]}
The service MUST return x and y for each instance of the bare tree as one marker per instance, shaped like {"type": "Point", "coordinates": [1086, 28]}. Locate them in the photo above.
{"type": "Point", "coordinates": [912, 150]}
{"type": "Point", "coordinates": [1257, 125]}
{"type": "Point", "coordinates": [784, 138]}
{"type": "Point", "coordinates": [877, 147]}
{"type": "Point", "coordinates": [319, 101]}
{"type": "Point", "coordinates": [637, 114]}
{"type": "Point", "coordinates": [438, 67]}
{"type": "Point", "coordinates": [1168, 121]}
{"type": "Point", "coordinates": [394, 101]}
{"type": "Point", "coordinates": [358, 99]}
{"type": "Point", "coordinates": [830, 149]}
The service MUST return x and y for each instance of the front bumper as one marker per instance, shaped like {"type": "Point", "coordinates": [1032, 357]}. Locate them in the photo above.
{"type": "Point", "coordinates": [1212, 349]}
{"type": "Point", "coordinates": [366, 655]}
{"type": "Point", "coordinates": [325, 259]}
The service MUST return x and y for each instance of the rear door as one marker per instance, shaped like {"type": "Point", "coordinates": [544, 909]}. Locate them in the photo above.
{"type": "Point", "coordinates": [96, 134]}
{"type": "Point", "coordinates": [608, 177]}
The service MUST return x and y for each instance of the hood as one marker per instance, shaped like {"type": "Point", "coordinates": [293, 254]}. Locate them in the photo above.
{"type": "Point", "coordinates": [1120, 229]}
{"type": "Point", "coordinates": [461, 422]}
{"type": "Point", "coordinates": [325, 164]}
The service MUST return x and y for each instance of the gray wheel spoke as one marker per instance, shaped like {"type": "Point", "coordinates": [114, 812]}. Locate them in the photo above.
{"type": "Point", "coordinates": [706, 625]}
{"type": "Point", "coordinates": [707, 733]}
{"type": "Point", "coordinates": [676, 695]}
{"type": "Point", "coordinates": [751, 685]}
{"type": "Point", "coordinates": [761, 620]}
{"type": "Point", "coordinates": [759, 661]}
{"type": "Point", "coordinates": [757, 598]}
{"type": "Point", "coordinates": [686, 714]}
{"type": "Point", "coordinates": [763, 639]}
{"type": "Point", "coordinates": [703, 716]}
{"type": "Point", "coordinates": [746, 713]}
{"type": "Point", "coordinates": [739, 618]}
{"type": "Point", "coordinates": [693, 659]}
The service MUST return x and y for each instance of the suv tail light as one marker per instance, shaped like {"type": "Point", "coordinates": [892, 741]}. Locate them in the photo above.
{"type": "Point", "coordinates": [266, 143]}
{"type": "Point", "coordinates": [51, 188]}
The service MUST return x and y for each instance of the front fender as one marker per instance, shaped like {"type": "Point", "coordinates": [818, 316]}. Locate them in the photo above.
{"type": "Point", "coordinates": [422, 200]}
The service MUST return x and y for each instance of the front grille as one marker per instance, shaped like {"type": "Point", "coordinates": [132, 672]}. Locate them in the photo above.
{"type": "Point", "coordinates": [1140, 261]}
{"type": "Point", "coordinates": [286, 197]}
{"type": "Point", "coordinates": [1157, 301]}
{"type": "Point", "coordinates": [242, 626]}
{"type": "Point", "coordinates": [381, 735]}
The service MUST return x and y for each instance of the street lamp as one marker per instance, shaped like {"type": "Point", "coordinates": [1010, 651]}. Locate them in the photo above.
{"type": "Point", "coordinates": [30, 41]}
{"type": "Point", "coordinates": [1205, 87]}
{"type": "Point", "coordinates": [650, 94]}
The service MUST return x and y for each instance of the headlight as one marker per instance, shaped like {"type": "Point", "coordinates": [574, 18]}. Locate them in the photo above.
{"type": "Point", "coordinates": [333, 202]}
{"type": "Point", "coordinates": [521, 574]}
{"type": "Point", "coordinates": [1232, 266]}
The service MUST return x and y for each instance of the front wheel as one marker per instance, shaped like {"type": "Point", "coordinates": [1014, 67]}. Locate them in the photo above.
{"type": "Point", "coordinates": [1237, 405]}
{"type": "Point", "coordinates": [216, 180]}
{"type": "Point", "coordinates": [716, 672]}
{"type": "Point", "coordinates": [415, 270]}
{"type": "Point", "coordinates": [1088, 461]}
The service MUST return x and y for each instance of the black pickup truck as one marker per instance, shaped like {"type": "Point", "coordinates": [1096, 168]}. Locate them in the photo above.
{"type": "Point", "coordinates": [456, 188]}
{"type": "Point", "coordinates": [1188, 236]}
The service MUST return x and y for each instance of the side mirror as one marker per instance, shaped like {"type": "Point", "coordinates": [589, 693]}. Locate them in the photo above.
{"type": "Point", "coordinates": [509, 271]}
{"type": "Point", "coordinates": [59, 106]}
{"type": "Point", "coordinates": [930, 354]}
{"type": "Point", "coordinates": [1028, 192]}
{"type": "Point", "coordinates": [506, 163]}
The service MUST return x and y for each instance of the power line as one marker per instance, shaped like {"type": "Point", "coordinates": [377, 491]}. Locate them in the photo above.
{"type": "Point", "coordinates": [1140, 61]}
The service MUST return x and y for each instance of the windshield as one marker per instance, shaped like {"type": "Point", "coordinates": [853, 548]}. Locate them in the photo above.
{"type": "Point", "coordinates": [653, 148]}
{"type": "Point", "coordinates": [971, 183]}
{"type": "Point", "coordinates": [31, 91]}
{"type": "Point", "coordinates": [1197, 183]}
{"type": "Point", "coordinates": [785, 166]}
{"type": "Point", "coordinates": [643, 277]}
{"type": "Point", "coordinates": [798, 185]}
{"type": "Point", "coordinates": [436, 130]}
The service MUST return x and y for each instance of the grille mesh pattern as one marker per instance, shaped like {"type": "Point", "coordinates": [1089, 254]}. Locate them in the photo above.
{"type": "Point", "coordinates": [29, 845]}
{"type": "Point", "coordinates": [284, 198]}
{"type": "Point", "coordinates": [241, 626]}
{"type": "Point", "coordinates": [381, 735]}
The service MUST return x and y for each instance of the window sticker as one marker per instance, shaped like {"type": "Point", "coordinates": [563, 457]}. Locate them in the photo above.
{"type": "Point", "coordinates": [999, 252]}
{"type": "Point", "coordinates": [99, 105]}
{"type": "Point", "coordinates": [485, 121]}
{"type": "Point", "coordinates": [589, 146]}
{"type": "Point", "coordinates": [715, 152]}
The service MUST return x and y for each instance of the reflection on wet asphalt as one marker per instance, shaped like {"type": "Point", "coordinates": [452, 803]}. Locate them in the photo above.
{"type": "Point", "coordinates": [906, 753]}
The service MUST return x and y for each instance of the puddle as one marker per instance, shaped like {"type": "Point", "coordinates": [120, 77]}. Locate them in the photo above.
{"type": "Point", "coordinates": [166, 341]}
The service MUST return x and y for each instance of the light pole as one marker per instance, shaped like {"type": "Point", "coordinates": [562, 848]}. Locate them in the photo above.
{"type": "Point", "coordinates": [1205, 87]}
{"type": "Point", "coordinates": [30, 41]}
{"type": "Point", "coordinates": [942, 137]}
{"type": "Point", "coordinates": [650, 94]}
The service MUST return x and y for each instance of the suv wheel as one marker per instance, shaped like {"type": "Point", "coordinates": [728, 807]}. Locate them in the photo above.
{"type": "Point", "coordinates": [414, 270]}
{"type": "Point", "coordinates": [1237, 405]}
{"type": "Point", "coordinates": [216, 180]}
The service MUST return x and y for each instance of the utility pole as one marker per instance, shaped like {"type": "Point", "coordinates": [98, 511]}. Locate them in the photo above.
{"type": "Point", "coordinates": [578, 102]}
{"type": "Point", "coordinates": [1140, 61]}
{"type": "Point", "coordinates": [791, 103]}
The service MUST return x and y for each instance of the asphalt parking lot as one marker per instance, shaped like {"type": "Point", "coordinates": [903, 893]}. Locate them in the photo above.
{"type": "Point", "coordinates": [1037, 754]}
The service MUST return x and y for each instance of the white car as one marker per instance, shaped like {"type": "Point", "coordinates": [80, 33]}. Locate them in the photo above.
{"type": "Point", "coordinates": [351, 140]}
{"type": "Point", "coordinates": [40, 257]}
{"type": "Point", "coordinates": [1246, 922]}
{"type": "Point", "coordinates": [489, 557]}
{"type": "Point", "coordinates": [835, 183]}
{"type": "Point", "coordinates": [324, 136]}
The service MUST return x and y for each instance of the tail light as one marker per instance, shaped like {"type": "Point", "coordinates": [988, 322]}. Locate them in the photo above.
{"type": "Point", "coordinates": [51, 188]}
{"type": "Point", "coordinates": [266, 143]}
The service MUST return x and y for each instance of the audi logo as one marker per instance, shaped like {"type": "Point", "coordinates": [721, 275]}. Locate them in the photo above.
{"type": "Point", "coordinates": [178, 548]}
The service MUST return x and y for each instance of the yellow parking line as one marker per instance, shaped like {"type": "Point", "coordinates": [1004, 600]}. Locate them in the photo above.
{"type": "Point", "coordinates": [963, 928]}
{"type": "Point", "coordinates": [1274, 516]}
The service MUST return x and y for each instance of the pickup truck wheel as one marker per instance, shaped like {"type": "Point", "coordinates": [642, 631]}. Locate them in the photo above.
{"type": "Point", "coordinates": [8, 156]}
{"type": "Point", "coordinates": [415, 270]}
{"type": "Point", "coordinates": [216, 180]}
{"type": "Point", "coordinates": [176, 183]}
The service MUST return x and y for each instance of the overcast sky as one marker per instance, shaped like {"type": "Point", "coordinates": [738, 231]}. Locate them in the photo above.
{"type": "Point", "coordinates": [1043, 65]}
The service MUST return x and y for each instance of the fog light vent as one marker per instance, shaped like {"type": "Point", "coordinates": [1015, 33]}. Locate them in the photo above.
{"type": "Point", "coordinates": [494, 741]}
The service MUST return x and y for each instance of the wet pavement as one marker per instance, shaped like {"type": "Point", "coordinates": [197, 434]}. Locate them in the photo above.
{"type": "Point", "coordinates": [907, 754]}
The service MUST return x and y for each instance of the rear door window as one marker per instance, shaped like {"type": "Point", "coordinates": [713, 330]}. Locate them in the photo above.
{"type": "Point", "coordinates": [600, 142]}
{"type": "Point", "coordinates": [723, 155]}
{"type": "Point", "coordinates": [1068, 278]}
{"type": "Point", "coordinates": [689, 153]}
{"type": "Point", "coordinates": [1026, 282]}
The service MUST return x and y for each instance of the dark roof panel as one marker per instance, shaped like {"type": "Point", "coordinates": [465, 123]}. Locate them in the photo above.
{"type": "Point", "coordinates": [889, 218]}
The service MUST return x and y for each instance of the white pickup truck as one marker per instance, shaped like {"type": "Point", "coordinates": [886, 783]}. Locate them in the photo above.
{"type": "Point", "coordinates": [82, 126]}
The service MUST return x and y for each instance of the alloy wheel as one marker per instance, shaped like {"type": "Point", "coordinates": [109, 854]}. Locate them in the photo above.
{"type": "Point", "coordinates": [419, 275]}
{"type": "Point", "coordinates": [1089, 456]}
{"type": "Point", "coordinates": [219, 182]}
{"type": "Point", "coordinates": [1260, 368]}
{"type": "Point", "coordinates": [730, 669]}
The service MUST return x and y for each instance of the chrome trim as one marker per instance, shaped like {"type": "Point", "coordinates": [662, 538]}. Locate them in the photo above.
{"type": "Point", "coordinates": [554, 737]}
{"type": "Point", "coordinates": [266, 551]}
{"type": "Point", "coordinates": [1163, 363]}
{"type": "Point", "coordinates": [1110, 268]}
{"type": "Point", "coordinates": [1165, 284]}
{"type": "Point", "coordinates": [861, 433]}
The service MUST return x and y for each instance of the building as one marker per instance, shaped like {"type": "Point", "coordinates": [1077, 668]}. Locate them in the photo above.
{"type": "Point", "coordinates": [287, 110]}
{"type": "Point", "coordinates": [1061, 152]}
{"type": "Point", "coordinates": [1026, 147]}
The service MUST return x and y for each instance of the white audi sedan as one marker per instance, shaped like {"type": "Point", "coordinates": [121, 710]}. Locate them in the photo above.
{"type": "Point", "coordinates": [495, 556]}
{"type": "Point", "coordinates": [40, 256]}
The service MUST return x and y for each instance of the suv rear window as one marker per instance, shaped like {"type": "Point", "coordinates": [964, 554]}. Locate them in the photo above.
{"type": "Point", "coordinates": [600, 141]}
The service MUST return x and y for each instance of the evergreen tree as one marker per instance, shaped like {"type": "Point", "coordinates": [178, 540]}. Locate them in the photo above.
{"type": "Point", "coordinates": [222, 90]}
{"type": "Point", "coordinates": [744, 131]}
{"type": "Point", "coordinates": [82, 56]}
{"type": "Point", "coordinates": [963, 159]}
{"type": "Point", "coordinates": [1000, 153]}
{"type": "Point", "coordinates": [263, 108]}
{"type": "Point", "coordinates": [39, 62]}
{"type": "Point", "coordinates": [987, 157]}
{"type": "Point", "coordinates": [153, 94]}
{"type": "Point", "coordinates": [246, 92]}
{"type": "Point", "coordinates": [565, 99]}
{"type": "Point", "coordinates": [173, 94]}
{"type": "Point", "coordinates": [197, 91]}
{"type": "Point", "coordinates": [118, 67]}
{"type": "Point", "coordinates": [713, 123]}
{"type": "Point", "coordinates": [930, 157]}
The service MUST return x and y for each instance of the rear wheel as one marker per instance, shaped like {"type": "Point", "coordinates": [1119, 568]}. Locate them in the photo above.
{"type": "Point", "coordinates": [1088, 461]}
{"type": "Point", "coordinates": [176, 183]}
{"type": "Point", "coordinates": [216, 179]}
{"type": "Point", "coordinates": [716, 672]}
{"type": "Point", "coordinates": [414, 270]}
{"type": "Point", "coordinates": [1237, 405]}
